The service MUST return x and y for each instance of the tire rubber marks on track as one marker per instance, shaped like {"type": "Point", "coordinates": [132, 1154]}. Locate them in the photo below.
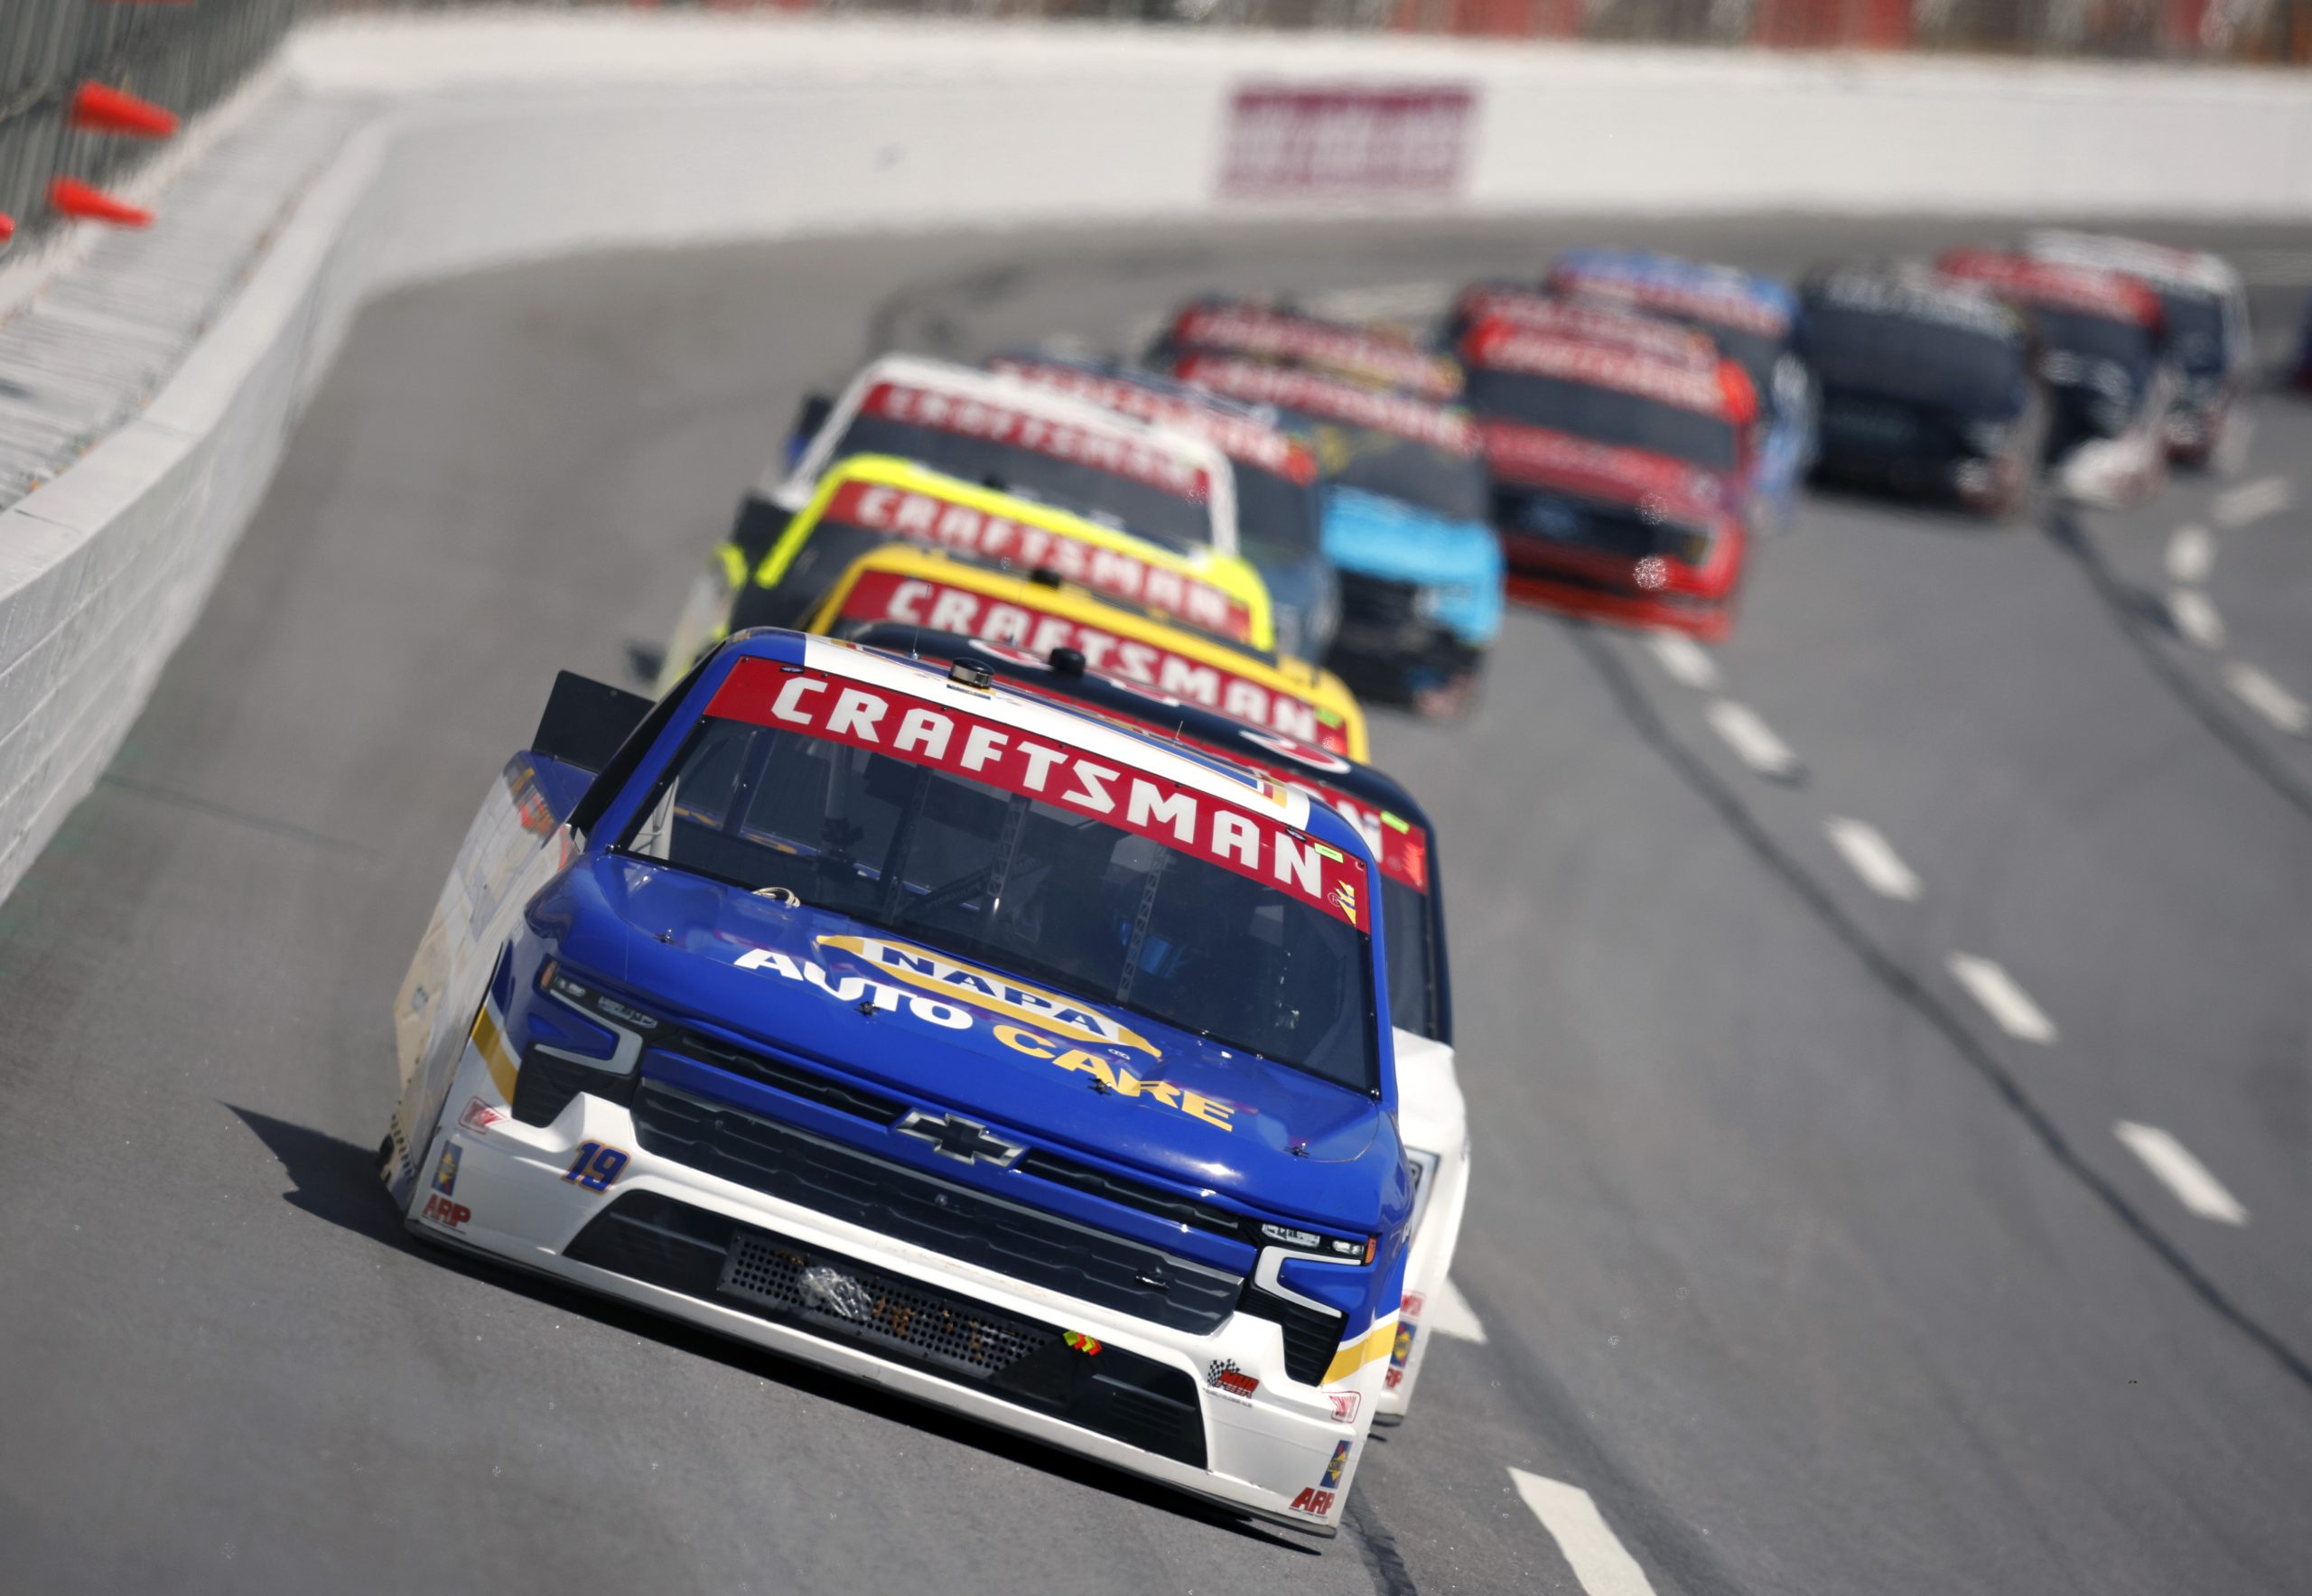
{"type": "Point", "coordinates": [2180, 1172]}
{"type": "Point", "coordinates": [1754, 741]}
{"type": "Point", "coordinates": [1873, 858]}
{"type": "Point", "coordinates": [2251, 501]}
{"type": "Point", "coordinates": [1591, 1549]}
{"type": "Point", "coordinates": [2268, 698]}
{"type": "Point", "coordinates": [2002, 999]}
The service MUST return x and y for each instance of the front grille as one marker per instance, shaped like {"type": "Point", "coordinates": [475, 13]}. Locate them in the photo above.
{"type": "Point", "coordinates": [1311, 1335]}
{"type": "Point", "coordinates": [789, 1078]}
{"type": "Point", "coordinates": [1377, 601]}
{"type": "Point", "coordinates": [1148, 1200]}
{"type": "Point", "coordinates": [959, 1222]}
{"type": "Point", "coordinates": [875, 1307]}
{"type": "Point", "coordinates": [1025, 1362]}
{"type": "Point", "coordinates": [546, 1084]}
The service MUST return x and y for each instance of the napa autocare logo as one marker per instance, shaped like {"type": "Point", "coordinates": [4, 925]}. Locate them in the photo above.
{"type": "Point", "coordinates": [995, 994]}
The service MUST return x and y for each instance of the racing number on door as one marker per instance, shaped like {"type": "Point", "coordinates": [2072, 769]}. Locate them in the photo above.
{"type": "Point", "coordinates": [596, 1165]}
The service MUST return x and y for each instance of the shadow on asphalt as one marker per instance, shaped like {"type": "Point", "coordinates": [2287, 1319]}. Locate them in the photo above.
{"type": "Point", "coordinates": [335, 1180]}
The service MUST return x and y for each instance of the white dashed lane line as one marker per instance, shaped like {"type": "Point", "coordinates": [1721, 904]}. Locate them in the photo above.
{"type": "Point", "coordinates": [1751, 739]}
{"type": "Point", "coordinates": [2191, 553]}
{"type": "Point", "coordinates": [1596, 1557]}
{"type": "Point", "coordinates": [2004, 1001]}
{"type": "Point", "coordinates": [2181, 1173]}
{"type": "Point", "coordinates": [2236, 507]}
{"type": "Point", "coordinates": [1873, 858]}
{"type": "Point", "coordinates": [1449, 1313]}
{"type": "Point", "coordinates": [2196, 616]}
{"type": "Point", "coordinates": [2268, 698]}
{"type": "Point", "coordinates": [1687, 661]}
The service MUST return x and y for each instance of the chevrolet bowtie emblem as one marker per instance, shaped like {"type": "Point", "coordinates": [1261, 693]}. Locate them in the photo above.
{"type": "Point", "coordinates": [962, 1140]}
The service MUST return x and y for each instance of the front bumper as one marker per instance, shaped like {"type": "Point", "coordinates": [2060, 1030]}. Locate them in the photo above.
{"type": "Point", "coordinates": [732, 1259]}
{"type": "Point", "coordinates": [1387, 648]}
{"type": "Point", "coordinates": [1710, 620]}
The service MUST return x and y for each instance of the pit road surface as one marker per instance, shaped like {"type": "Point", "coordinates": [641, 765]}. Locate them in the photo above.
{"type": "Point", "coordinates": [1796, 1244]}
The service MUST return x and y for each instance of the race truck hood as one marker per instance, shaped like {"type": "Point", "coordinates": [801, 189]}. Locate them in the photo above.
{"type": "Point", "coordinates": [1376, 536]}
{"type": "Point", "coordinates": [949, 1033]}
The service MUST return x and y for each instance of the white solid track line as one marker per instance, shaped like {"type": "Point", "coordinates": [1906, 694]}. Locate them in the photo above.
{"type": "Point", "coordinates": [1873, 858]}
{"type": "Point", "coordinates": [1597, 1555]}
{"type": "Point", "coordinates": [2268, 698]}
{"type": "Point", "coordinates": [1687, 661]}
{"type": "Point", "coordinates": [2196, 617]}
{"type": "Point", "coordinates": [1449, 1313]}
{"type": "Point", "coordinates": [2191, 553]}
{"type": "Point", "coordinates": [2002, 999]}
{"type": "Point", "coordinates": [1751, 739]}
{"type": "Point", "coordinates": [2250, 501]}
{"type": "Point", "coordinates": [2181, 1173]}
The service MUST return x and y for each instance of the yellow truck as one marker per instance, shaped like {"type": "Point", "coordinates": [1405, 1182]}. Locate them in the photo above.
{"type": "Point", "coordinates": [868, 501]}
{"type": "Point", "coordinates": [889, 595]}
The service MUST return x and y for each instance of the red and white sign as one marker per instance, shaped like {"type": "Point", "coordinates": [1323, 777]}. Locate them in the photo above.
{"type": "Point", "coordinates": [1333, 399]}
{"type": "Point", "coordinates": [1239, 436]}
{"type": "Point", "coordinates": [2062, 287]}
{"type": "Point", "coordinates": [939, 606]}
{"type": "Point", "coordinates": [1112, 453]}
{"type": "Point", "coordinates": [943, 523]}
{"type": "Point", "coordinates": [950, 740]}
{"type": "Point", "coordinates": [1249, 330]}
{"type": "Point", "coordinates": [1347, 142]}
{"type": "Point", "coordinates": [1500, 346]}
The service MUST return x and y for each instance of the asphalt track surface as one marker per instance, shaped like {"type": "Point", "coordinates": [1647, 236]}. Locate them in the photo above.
{"type": "Point", "coordinates": [1788, 1252]}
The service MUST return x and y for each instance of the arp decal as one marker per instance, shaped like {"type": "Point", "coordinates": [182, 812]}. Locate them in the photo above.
{"type": "Point", "coordinates": [998, 994]}
{"type": "Point", "coordinates": [445, 1170]}
{"type": "Point", "coordinates": [596, 1165]}
{"type": "Point", "coordinates": [1222, 1375]}
{"type": "Point", "coordinates": [1115, 1078]}
{"type": "Point", "coordinates": [448, 1215]}
{"type": "Point", "coordinates": [1313, 1502]}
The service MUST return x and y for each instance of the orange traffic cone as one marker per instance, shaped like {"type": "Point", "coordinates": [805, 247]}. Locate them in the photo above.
{"type": "Point", "coordinates": [99, 109]}
{"type": "Point", "coordinates": [77, 199]}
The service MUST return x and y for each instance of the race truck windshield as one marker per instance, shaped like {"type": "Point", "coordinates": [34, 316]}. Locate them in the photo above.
{"type": "Point", "coordinates": [2195, 330]}
{"type": "Point", "coordinates": [2126, 348]}
{"type": "Point", "coordinates": [1974, 373]}
{"type": "Point", "coordinates": [1442, 481]}
{"type": "Point", "coordinates": [1584, 522]}
{"type": "Point", "coordinates": [1276, 515]}
{"type": "Point", "coordinates": [1606, 415]}
{"type": "Point", "coordinates": [1175, 905]}
{"type": "Point", "coordinates": [1133, 486]}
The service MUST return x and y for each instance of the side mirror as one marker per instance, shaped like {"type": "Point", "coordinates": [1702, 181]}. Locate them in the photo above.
{"type": "Point", "coordinates": [585, 721]}
{"type": "Point", "coordinates": [809, 418]}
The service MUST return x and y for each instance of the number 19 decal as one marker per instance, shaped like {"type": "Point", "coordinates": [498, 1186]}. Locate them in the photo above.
{"type": "Point", "coordinates": [596, 1165]}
